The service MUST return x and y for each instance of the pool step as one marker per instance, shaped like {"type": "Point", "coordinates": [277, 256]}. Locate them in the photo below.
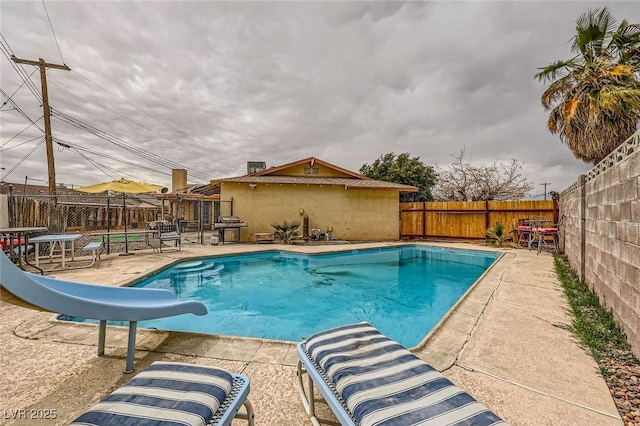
{"type": "Point", "coordinates": [195, 266]}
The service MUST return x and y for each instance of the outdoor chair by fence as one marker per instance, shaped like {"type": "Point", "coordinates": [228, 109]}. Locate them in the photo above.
{"type": "Point", "coordinates": [547, 236]}
{"type": "Point", "coordinates": [522, 232]}
{"type": "Point", "coordinates": [168, 233]}
{"type": "Point", "coordinates": [174, 393]}
{"type": "Point", "coordinates": [368, 379]}
{"type": "Point", "coordinates": [103, 303]}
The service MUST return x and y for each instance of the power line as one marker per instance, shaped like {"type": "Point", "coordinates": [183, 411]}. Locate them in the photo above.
{"type": "Point", "coordinates": [20, 111]}
{"type": "Point", "coordinates": [6, 43]}
{"type": "Point", "coordinates": [22, 131]}
{"type": "Point", "coordinates": [125, 145]}
{"type": "Point", "coordinates": [20, 144]}
{"type": "Point", "coordinates": [111, 157]}
{"type": "Point", "coordinates": [4, 178]}
{"type": "Point", "coordinates": [52, 32]}
{"type": "Point", "coordinates": [97, 165]}
{"type": "Point", "coordinates": [19, 69]}
{"type": "Point", "coordinates": [19, 87]}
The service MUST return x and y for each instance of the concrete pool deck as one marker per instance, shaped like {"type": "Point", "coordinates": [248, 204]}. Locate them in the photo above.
{"type": "Point", "coordinates": [506, 343]}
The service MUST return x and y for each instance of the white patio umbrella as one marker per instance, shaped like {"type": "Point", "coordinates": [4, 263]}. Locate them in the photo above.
{"type": "Point", "coordinates": [125, 187]}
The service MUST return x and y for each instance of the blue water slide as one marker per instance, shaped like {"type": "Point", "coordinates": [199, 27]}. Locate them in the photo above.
{"type": "Point", "coordinates": [91, 301]}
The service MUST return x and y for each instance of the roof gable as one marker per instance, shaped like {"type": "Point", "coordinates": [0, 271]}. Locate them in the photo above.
{"type": "Point", "coordinates": [310, 167]}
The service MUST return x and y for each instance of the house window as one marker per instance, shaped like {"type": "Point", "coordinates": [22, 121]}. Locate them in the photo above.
{"type": "Point", "coordinates": [206, 214]}
{"type": "Point", "coordinates": [310, 170]}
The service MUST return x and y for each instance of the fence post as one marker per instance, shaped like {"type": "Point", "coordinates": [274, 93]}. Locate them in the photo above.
{"type": "Point", "coordinates": [487, 225]}
{"type": "Point", "coordinates": [583, 230]}
{"type": "Point", "coordinates": [424, 220]}
{"type": "Point", "coordinates": [11, 207]}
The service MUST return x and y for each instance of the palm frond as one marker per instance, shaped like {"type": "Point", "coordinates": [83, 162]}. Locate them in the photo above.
{"type": "Point", "coordinates": [625, 38]}
{"type": "Point", "coordinates": [592, 28]}
{"type": "Point", "coordinates": [570, 108]}
{"type": "Point", "coordinates": [556, 70]}
{"type": "Point", "coordinates": [620, 101]}
{"type": "Point", "coordinates": [558, 91]}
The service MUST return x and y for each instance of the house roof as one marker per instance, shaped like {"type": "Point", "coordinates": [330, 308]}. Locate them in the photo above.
{"type": "Point", "coordinates": [350, 180]}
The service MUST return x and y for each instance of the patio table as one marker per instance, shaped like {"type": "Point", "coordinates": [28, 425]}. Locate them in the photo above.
{"type": "Point", "coordinates": [61, 241]}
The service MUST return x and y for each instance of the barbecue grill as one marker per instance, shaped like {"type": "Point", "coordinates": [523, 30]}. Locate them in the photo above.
{"type": "Point", "coordinates": [228, 222]}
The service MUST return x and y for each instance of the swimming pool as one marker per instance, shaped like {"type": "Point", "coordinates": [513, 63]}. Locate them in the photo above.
{"type": "Point", "coordinates": [404, 291]}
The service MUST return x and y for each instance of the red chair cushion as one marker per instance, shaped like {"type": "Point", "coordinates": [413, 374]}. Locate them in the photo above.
{"type": "Point", "coordinates": [4, 242]}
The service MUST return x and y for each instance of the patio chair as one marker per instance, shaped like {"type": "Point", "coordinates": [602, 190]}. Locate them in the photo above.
{"type": "Point", "coordinates": [547, 236]}
{"type": "Point", "coordinates": [103, 303]}
{"type": "Point", "coordinates": [368, 379]}
{"type": "Point", "coordinates": [174, 393]}
{"type": "Point", "coordinates": [522, 228]}
{"type": "Point", "coordinates": [527, 230]}
{"type": "Point", "coordinates": [168, 233]}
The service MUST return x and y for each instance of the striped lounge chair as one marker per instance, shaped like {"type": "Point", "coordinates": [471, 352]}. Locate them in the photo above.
{"type": "Point", "coordinates": [172, 393]}
{"type": "Point", "coordinates": [368, 379]}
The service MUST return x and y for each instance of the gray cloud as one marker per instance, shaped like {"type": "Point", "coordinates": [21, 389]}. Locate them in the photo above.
{"type": "Point", "coordinates": [211, 85]}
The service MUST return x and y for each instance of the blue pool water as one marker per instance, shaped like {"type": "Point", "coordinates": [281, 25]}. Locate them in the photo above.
{"type": "Point", "coordinates": [403, 291]}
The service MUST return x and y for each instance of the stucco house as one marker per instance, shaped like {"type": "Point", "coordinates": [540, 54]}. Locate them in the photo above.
{"type": "Point", "coordinates": [342, 203]}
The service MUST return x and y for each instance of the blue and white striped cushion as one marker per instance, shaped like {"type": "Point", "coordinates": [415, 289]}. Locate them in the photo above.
{"type": "Point", "coordinates": [382, 383]}
{"type": "Point", "coordinates": [167, 393]}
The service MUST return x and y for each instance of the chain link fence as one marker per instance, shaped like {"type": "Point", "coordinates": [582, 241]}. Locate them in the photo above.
{"type": "Point", "coordinates": [87, 214]}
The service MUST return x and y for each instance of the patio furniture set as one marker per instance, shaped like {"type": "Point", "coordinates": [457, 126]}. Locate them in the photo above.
{"type": "Point", "coordinates": [18, 242]}
{"type": "Point", "coordinates": [538, 231]}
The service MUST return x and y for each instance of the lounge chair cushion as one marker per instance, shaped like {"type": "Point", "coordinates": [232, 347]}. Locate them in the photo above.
{"type": "Point", "coordinates": [381, 382]}
{"type": "Point", "coordinates": [165, 393]}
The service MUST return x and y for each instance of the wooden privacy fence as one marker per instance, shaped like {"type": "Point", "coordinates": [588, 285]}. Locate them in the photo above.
{"type": "Point", "coordinates": [468, 219]}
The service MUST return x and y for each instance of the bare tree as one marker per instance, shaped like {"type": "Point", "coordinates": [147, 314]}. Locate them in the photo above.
{"type": "Point", "coordinates": [463, 181]}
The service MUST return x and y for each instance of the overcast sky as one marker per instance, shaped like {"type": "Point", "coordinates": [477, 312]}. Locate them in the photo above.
{"type": "Point", "coordinates": [212, 85]}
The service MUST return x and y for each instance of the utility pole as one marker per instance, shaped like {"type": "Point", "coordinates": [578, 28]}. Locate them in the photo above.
{"type": "Point", "coordinates": [47, 117]}
{"type": "Point", "coordinates": [545, 189]}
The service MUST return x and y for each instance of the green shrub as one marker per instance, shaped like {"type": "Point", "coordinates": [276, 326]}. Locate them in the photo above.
{"type": "Point", "coordinates": [285, 231]}
{"type": "Point", "coordinates": [498, 234]}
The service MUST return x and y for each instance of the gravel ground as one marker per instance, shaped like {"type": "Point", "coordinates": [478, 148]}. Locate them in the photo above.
{"type": "Point", "coordinates": [623, 379]}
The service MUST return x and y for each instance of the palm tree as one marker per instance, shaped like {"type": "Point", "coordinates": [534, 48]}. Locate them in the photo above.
{"type": "Point", "coordinates": [498, 234]}
{"type": "Point", "coordinates": [286, 231]}
{"type": "Point", "coordinates": [594, 97]}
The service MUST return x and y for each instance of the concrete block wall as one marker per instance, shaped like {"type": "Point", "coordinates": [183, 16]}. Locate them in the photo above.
{"type": "Point", "coordinates": [605, 247]}
{"type": "Point", "coordinates": [570, 232]}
